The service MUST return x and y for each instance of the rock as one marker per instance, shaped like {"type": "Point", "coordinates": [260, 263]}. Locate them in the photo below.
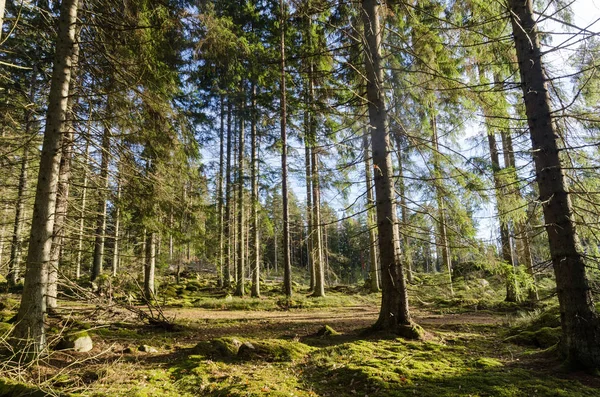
{"type": "Point", "coordinates": [246, 349]}
{"type": "Point", "coordinates": [326, 330]}
{"type": "Point", "coordinates": [484, 283]}
{"type": "Point", "coordinates": [147, 349]}
{"type": "Point", "coordinates": [79, 342]}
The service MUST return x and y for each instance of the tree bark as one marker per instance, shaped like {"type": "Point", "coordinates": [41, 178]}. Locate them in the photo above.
{"type": "Point", "coordinates": [102, 191]}
{"type": "Point", "coordinates": [394, 314]}
{"type": "Point", "coordinates": [579, 320]}
{"type": "Point", "coordinates": [287, 262]}
{"type": "Point", "coordinates": [255, 292]}
{"type": "Point", "coordinates": [32, 310]}
{"type": "Point", "coordinates": [149, 266]}
{"type": "Point", "coordinates": [228, 204]}
{"type": "Point", "coordinates": [371, 224]}
{"type": "Point", "coordinates": [14, 264]}
{"type": "Point", "coordinates": [506, 249]}
{"type": "Point", "coordinates": [403, 209]}
{"type": "Point", "coordinates": [116, 237]}
{"type": "Point", "coordinates": [220, 208]}
{"type": "Point", "coordinates": [442, 228]}
{"type": "Point", "coordinates": [82, 213]}
{"type": "Point", "coordinates": [241, 256]}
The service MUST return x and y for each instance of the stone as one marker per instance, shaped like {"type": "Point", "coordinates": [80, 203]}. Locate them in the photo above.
{"type": "Point", "coordinates": [147, 349]}
{"type": "Point", "coordinates": [80, 342]}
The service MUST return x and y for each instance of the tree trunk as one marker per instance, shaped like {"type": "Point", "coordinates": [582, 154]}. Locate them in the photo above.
{"type": "Point", "coordinates": [309, 247]}
{"type": "Point", "coordinates": [103, 191]}
{"type": "Point", "coordinates": [255, 233]}
{"type": "Point", "coordinates": [227, 226]}
{"type": "Point", "coordinates": [579, 319]}
{"type": "Point", "coordinates": [241, 218]}
{"type": "Point", "coordinates": [60, 218]}
{"type": "Point", "coordinates": [507, 257]}
{"type": "Point", "coordinates": [443, 232]}
{"type": "Point", "coordinates": [317, 239]}
{"type": "Point", "coordinates": [82, 213]}
{"type": "Point", "coordinates": [221, 256]}
{"type": "Point", "coordinates": [394, 314]}
{"type": "Point", "coordinates": [371, 223]}
{"type": "Point", "coordinates": [116, 238]}
{"type": "Point", "coordinates": [14, 264]}
{"type": "Point", "coordinates": [32, 310]}
{"type": "Point", "coordinates": [521, 230]}
{"type": "Point", "coordinates": [403, 209]}
{"type": "Point", "coordinates": [287, 262]}
{"type": "Point", "coordinates": [149, 266]}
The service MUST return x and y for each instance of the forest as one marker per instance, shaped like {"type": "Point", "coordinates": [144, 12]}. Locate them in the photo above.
{"type": "Point", "coordinates": [299, 198]}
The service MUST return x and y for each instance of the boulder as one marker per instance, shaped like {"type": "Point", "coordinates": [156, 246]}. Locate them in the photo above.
{"type": "Point", "coordinates": [78, 342]}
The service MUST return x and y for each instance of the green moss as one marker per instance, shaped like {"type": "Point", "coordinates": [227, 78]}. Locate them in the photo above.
{"type": "Point", "coordinates": [5, 328]}
{"type": "Point", "coordinates": [543, 338]}
{"type": "Point", "coordinates": [486, 362]}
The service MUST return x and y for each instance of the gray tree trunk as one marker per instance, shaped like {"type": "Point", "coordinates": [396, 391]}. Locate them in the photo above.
{"type": "Point", "coordinates": [403, 210]}
{"type": "Point", "coordinates": [82, 213]}
{"type": "Point", "coordinates": [220, 208]}
{"type": "Point", "coordinates": [116, 237]}
{"type": "Point", "coordinates": [255, 292]}
{"type": "Point", "coordinates": [149, 266]}
{"type": "Point", "coordinates": [287, 262]}
{"type": "Point", "coordinates": [506, 249]}
{"type": "Point", "coordinates": [394, 314]}
{"type": "Point", "coordinates": [103, 192]}
{"type": "Point", "coordinates": [227, 227]}
{"type": "Point", "coordinates": [371, 224]}
{"type": "Point", "coordinates": [241, 218]}
{"type": "Point", "coordinates": [30, 325]}
{"type": "Point", "coordinates": [579, 319]}
{"type": "Point", "coordinates": [14, 264]}
{"type": "Point", "coordinates": [444, 245]}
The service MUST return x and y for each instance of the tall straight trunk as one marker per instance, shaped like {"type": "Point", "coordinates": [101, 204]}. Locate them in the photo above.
{"type": "Point", "coordinates": [579, 318]}
{"type": "Point", "coordinates": [32, 310]}
{"type": "Point", "coordinates": [522, 238]}
{"type": "Point", "coordinates": [103, 192]}
{"type": "Point", "coordinates": [254, 170]}
{"type": "Point", "coordinates": [62, 201]}
{"type": "Point", "coordinates": [14, 264]}
{"type": "Point", "coordinates": [444, 245]}
{"type": "Point", "coordinates": [403, 209]}
{"type": "Point", "coordinates": [507, 257]}
{"type": "Point", "coordinates": [116, 237]}
{"type": "Point", "coordinates": [287, 261]}
{"type": "Point", "coordinates": [241, 218]}
{"type": "Point", "coordinates": [220, 208]}
{"type": "Point", "coordinates": [371, 224]}
{"type": "Point", "coordinates": [394, 314]}
{"type": "Point", "coordinates": [309, 222]}
{"type": "Point", "coordinates": [3, 229]}
{"type": "Point", "coordinates": [149, 266]}
{"type": "Point", "coordinates": [82, 213]}
{"type": "Point", "coordinates": [317, 239]}
{"type": "Point", "coordinates": [227, 226]}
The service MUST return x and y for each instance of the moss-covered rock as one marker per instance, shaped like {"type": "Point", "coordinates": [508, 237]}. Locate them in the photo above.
{"type": "Point", "coordinates": [218, 348]}
{"type": "Point", "coordinates": [326, 330]}
{"type": "Point", "coordinates": [543, 338]}
{"type": "Point", "coordinates": [273, 350]}
{"type": "Point", "coordinates": [79, 341]}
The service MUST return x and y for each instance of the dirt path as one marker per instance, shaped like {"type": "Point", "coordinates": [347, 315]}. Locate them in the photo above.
{"type": "Point", "coordinates": [348, 320]}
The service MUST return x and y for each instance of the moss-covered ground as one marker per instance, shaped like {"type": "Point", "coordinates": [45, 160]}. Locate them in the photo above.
{"type": "Point", "coordinates": [227, 346]}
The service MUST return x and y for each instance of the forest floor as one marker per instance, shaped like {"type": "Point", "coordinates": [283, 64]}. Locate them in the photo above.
{"type": "Point", "coordinates": [226, 346]}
